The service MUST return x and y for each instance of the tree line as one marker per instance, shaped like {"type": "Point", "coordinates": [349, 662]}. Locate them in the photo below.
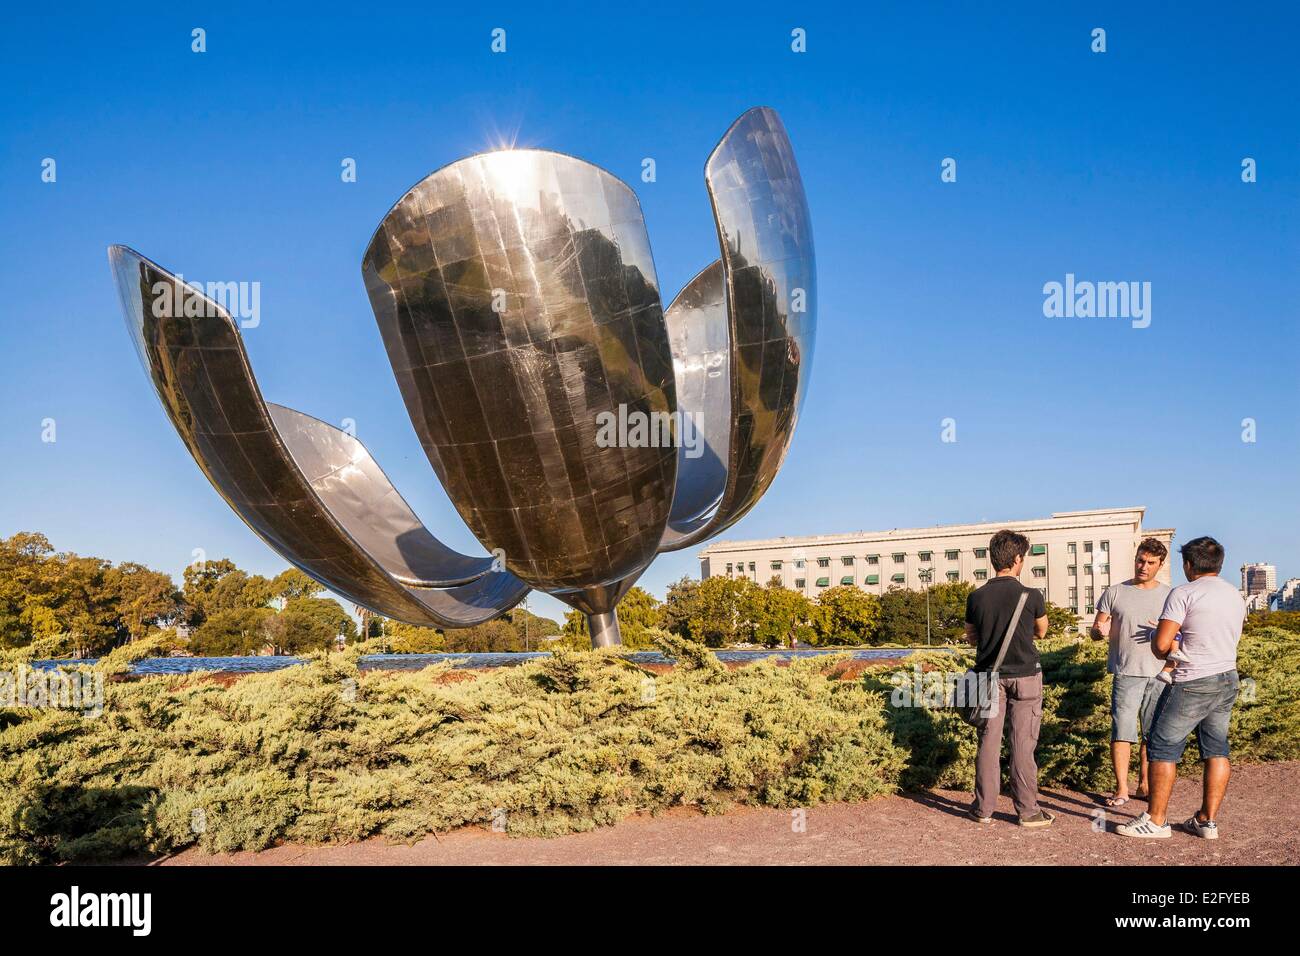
{"type": "Point", "coordinates": [97, 605]}
{"type": "Point", "coordinates": [94, 605]}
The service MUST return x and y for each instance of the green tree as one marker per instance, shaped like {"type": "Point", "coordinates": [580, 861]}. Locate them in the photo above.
{"type": "Point", "coordinates": [948, 611]}
{"type": "Point", "coordinates": [725, 611]}
{"type": "Point", "coordinates": [232, 633]}
{"type": "Point", "coordinates": [146, 599]}
{"type": "Point", "coordinates": [328, 612]}
{"type": "Point", "coordinates": [902, 617]}
{"type": "Point", "coordinates": [1061, 621]}
{"type": "Point", "coordinates": [412, 639]}
{"type": "Point", "coordinates": [292, 583]}
{"type": "Point", "coordinates": [681, 603]}
{"type": "Point", "coordinates": [849, 615]}
{"type": "Point", "coordinates": [781, 615]}
{"type": "Point", "coordinates": [495, 637]}
{"type": "Point", "coordinates": [299, 628]}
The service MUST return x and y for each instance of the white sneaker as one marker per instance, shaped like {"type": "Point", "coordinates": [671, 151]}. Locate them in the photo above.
{"type": "Point", "coordinates": [1144, 828]}
{"type": "Point", "coordinates": [1206, 831]}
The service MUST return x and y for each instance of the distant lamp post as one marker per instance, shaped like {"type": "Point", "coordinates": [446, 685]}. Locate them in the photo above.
{"type": "Point", "coordinates": [926, 575]}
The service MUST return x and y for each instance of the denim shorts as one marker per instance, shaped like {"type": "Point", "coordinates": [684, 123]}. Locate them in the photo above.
{"type": "Point", "coordinates": [1203, 705]}
{"type": "Point", "coordinates": [1133, 702]}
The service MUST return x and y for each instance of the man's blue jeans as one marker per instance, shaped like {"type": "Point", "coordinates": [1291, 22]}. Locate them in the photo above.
{"type": "Point", "coordinates": [1203, 705]}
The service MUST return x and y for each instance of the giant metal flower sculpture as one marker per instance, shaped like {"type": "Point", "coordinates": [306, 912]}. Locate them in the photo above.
{"type": "Point", "coordinates": [517, 299]}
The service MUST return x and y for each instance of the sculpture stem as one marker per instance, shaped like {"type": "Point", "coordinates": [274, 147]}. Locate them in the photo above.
{"type": "Point", "coordinates": [604, 629]}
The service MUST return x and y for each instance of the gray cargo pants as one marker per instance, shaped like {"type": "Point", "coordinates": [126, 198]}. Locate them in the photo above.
{"type": "Point", "coordinates": [1020, 705]}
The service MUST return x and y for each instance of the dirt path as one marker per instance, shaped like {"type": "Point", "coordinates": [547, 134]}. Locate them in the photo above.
{"type": "Point", "coordinates": [1258, 821]}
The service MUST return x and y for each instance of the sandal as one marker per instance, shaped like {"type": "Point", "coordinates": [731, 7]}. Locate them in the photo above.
{"type": "Point", "coordinates": [1116, 801]}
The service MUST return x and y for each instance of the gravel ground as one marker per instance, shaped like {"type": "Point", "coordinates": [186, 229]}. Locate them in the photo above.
{"type": "Point", "coordinates": [1258, 821]}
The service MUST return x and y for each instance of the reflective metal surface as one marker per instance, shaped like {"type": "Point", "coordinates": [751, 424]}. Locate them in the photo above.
{"type": "Point", "coordinates": [517, 299]}
{"type": "Point", "coordinates": [771, 301]}
{"type": "Point", "coordinates": [311, 491]}
{"type": "Point", "coordinates": [698, 331]}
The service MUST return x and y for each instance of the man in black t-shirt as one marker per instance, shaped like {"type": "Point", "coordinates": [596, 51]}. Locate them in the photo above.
{"type": "Point", "coordinates": [989, 611]}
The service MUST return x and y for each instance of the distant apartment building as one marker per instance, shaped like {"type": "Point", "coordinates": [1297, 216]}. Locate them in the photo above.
{"type": "Point", "coordinates": [1073, 556]}
{"type": "Point", "coordinates": [1258, 582]}
{"type": "Point", "coordinates": [1288, 595]}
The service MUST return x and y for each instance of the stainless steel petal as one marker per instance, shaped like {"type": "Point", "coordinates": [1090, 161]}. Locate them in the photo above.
{"type": "Point", "coordinates": [771, 294]}
{"type": "Point", "coordinates": [191, 349]}
{"type": "Point", "coordinates": [517, 298]}
{"type": "Point", "coordinates": [361, 498]}
{"type": "Point", "coordinates": [698, 332]}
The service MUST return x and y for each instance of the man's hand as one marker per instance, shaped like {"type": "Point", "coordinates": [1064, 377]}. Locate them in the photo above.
{"type": "Point", "coordinates": [1100, 629]}
{"type": "Point", "coordinates": [1163, 642]}
{"type": "Point", "coordinates": [971, 637]}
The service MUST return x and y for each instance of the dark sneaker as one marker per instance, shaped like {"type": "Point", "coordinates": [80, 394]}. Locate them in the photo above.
{"type": "Point", "coordinates": [1143, 827]}
{"type": "Point", "coordinates": [1040, 819]}
{"type": "Point", "coordinates": [1206, 831]}
{"type": "Point", "coordinates": [975, 815]}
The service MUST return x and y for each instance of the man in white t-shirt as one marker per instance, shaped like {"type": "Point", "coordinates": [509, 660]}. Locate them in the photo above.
{"type": "Point", "coordinates": [1209, 612]}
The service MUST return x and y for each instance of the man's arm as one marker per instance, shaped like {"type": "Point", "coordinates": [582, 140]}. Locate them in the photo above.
{"type": "Point", "coordinates": [1163, 642]}
{"type": "Point", "coordinates": [971, 637]}
{"type": "Point", "coordinates": [1100, 629]}
{"type": "Point", "coordinates": [1040, 627]}
{"type": "Point", "coordinates": [1171, 621]}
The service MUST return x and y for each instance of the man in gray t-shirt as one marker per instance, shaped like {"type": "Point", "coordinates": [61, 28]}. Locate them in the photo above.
{"type": "Point", "coordinates": [1208, 612]}
{"type": "Point", "coordinates": [1127, 613]}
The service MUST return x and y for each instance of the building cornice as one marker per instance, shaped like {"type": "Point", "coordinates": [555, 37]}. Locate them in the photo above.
{"type": "Point", "coordinates": [1059, 521]}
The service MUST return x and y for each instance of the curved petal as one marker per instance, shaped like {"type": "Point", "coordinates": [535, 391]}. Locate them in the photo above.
{"type": "Point", "coordinates": [517, 299]}
{"type": "Point", "coordinates": [192, 351]}
{"type": "Point", "coordinates": [771, 295]}
{"type": "Point", "coordinates": [698, 333]}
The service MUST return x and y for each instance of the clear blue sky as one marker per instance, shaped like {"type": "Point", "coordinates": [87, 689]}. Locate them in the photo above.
{"type": "Point", "coordinates": [1117, 166]}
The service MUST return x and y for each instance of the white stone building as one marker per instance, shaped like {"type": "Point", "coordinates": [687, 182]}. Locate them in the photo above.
{"type": "Point", "coordinates": [1073, 556]}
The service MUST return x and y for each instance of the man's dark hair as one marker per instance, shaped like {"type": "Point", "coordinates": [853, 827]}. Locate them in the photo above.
{"type": "Point", "coordinates": [1005, 547]}
{"type": "Point", "coordinates": [1154, 548]}
{"type": "Point", "coordinates": [1205, 555]}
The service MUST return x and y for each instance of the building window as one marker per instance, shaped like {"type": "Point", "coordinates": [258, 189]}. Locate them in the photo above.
{"type": "Point", "coordinates": [1105, 546]}
{"type": "Point", "coordinates": [1074, 597]}
{"type": "Point", "coordinates": [1043, 592]}
{"type": "Point", "coordinates": [823, 562]}
{"type": "Point", "coordinates": [951, 555]}
{"type": "Point", "coordinates": [1072, 547]}
{"type": "Point", "coordinates": [1072, 570]}
{"type": "Point", "coordinates": [728, 569]}
{"type": "Point", "coordinates": [823, 582]}
{"type": "Point", "coordinates": [981, 574]}
{"type": "Point", "coordinates": [847, 560]}
{"type": "Point", "coordinates": [1105, 569]}
{"type": "Point", "coordinates": [899, 578]}
{"type": "Point", "coordinates": [1038, 549]}
{"type": "Point", "coordinates": [873, 578]}
{"type": "Point", "coordinates": [873, 559]}
{"type": "Point", "coordinates": [1040, 572]}
{"type": "Point", "coordinates": [981, 552]}
{"type": "Point", "coordinates": [1087, 597]}
{"type": "Point", "coordinates": [1087, 569]}
{"type": "Point", "coordinates": [776, 565]}
{"type": "Point", "coordinates": [798, 563]}
{"type": "Point", "coordinates": [800, 583]}
{"type": "Point", "coordinates": [899, 558]}
{"type": "Point", "coordinates": [1087, 547]}
{"type": "Point", "coordinates": [926, 555]}
{"type": "Point", "coordinates": [847, 579]}
{"type": "Point", "coordinates": [751, 565]}
{"type": "Point", "coordinates": [953, 575]}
